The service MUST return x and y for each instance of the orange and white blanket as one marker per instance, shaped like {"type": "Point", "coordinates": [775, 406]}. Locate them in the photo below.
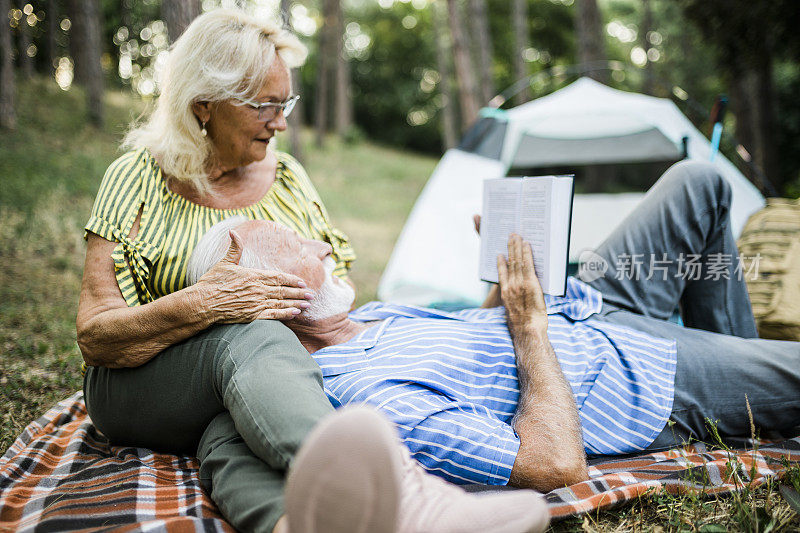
{"type": "Point", "coordinates": [61, 474]}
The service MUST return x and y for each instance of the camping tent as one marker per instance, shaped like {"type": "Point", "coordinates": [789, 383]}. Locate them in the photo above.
{"type": "Point", "coordinates": [435, 260]}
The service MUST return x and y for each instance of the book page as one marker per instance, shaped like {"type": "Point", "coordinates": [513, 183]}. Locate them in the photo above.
{"type": "Point", "coordinates": [539, 210]}
{"type": "Point", "coordinates": [535, 221]}
{"type": "Point", "coordinates": [499, 219]}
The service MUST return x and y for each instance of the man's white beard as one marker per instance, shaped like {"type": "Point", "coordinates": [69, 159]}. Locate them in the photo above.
{"type": "Point", "coordinates": [332, 298]}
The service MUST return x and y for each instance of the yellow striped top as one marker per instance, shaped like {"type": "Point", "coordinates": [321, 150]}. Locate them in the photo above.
{"type": "Point", "coordinates": [153, 264]}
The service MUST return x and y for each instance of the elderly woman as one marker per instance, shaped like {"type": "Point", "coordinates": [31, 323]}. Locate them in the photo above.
{"type": "Point", "coordinates": [162, 370]}
{"type": "Point", "coordinates": [153, 380]}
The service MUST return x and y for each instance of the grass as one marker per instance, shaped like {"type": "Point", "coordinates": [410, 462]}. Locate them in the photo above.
{"type": "Point", "coordinates": [51, 168]}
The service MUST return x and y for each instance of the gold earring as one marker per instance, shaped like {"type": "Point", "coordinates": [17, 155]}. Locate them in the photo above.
{"type": "Point", "coordinates": [203, 131]}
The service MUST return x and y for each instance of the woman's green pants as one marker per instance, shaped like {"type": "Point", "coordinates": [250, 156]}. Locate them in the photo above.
{"type": "Point", "coordinates": [242, 397]}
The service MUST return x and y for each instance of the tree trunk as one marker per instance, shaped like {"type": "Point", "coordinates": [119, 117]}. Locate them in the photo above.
{"type": "Point", "coordinates": [742, 109]}
{"type": "Point", "coordinates": [76, 43]}
{"type": "Point", "coordinates": [53, 20]}
{"type": "Point", "coordinates": [23, 43]}
{"type": "Point", "coordinates": [645, 28]}
{"type": "Point", "coordinates": [591, 50]}
{"type": "Point", "coordinates": [762, 100]}
{"type": "Point", "coordinates": [86, 31]}
{"type": "Point", "coordinates": [295, 120]}
{"type": "Point", "coordinates": [327, 60]}
{"type": "Point", "coordinates": [465, 76]}
{"type": "Point", "coordinates": [343, 103]}
{"type": "Point", "coordinates": [8, 116]}
{"type": "Point", "coordinates": [591, 46]}
{"type": "Point", "coordinates": [443, 55]}
{"type": "Point", "coordinates": [752, 100]}
{"type": "Point", "coordinates": [519, 25]}
{"type": "Point", "coordinates": [480, 28]}
{"type": "Point", "coordinates": [178, 14]}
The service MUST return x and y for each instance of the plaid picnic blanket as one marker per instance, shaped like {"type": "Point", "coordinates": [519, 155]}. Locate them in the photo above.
{"type": "Point", "coordinates": [62, 475]}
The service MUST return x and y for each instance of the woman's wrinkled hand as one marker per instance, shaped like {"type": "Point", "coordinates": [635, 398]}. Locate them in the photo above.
{"type": "Point", "coordinates": [520, 290]}
{"type": "Point", "coordinates": [235, 294]}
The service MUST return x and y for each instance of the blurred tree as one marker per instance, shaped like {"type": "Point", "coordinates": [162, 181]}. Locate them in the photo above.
{"type": "Point", "coordinates": [745, 35]}
{"type": "Point", "coordinates": [393, 57]}
{"type": "Point", "coordinates": [482, 38]}
{"type": "Point", "coordinates": [465, 75]}
{"type": "Point", "coordinates": [24, 58]}
{"type": "Point", "coordinates": [178, 14]}
{"type": "Point", "coordinates": [333, 95]}
{"type": "Point", "coordinates": [8, 115]}
{"type": "Point", "coordinates": [76, 44]}
{"type": "Point", "coordinates": [85, 40]}
{"type": "Point", "coordinates": [126, 13]}
{"type": "Point", "coordinates": [590, 36]}
{"type": "Point", "coordinates": [124, 21]}
{"type": "Point", "coordinates": [295, 120]}
{"type": "Point", "coordinates": [551, 40]}
{"type": "Point", "coordinates": [645, 33]}
{"type": "Point", "coordinates": [443, 65]}
{"type": "Point", "coordinates": [519, 26]}
{"type": "Point", "coordinates": [343, 103]}
{"type": "Point", "coordinates": [326, 51]}
{"type": "Point", "coordinates": [52, 16]}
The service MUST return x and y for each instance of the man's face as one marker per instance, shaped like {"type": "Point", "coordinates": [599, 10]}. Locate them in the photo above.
{"type": "Point", "coordinates": [282, 249]}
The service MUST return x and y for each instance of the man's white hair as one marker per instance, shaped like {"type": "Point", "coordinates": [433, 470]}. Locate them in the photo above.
{"type": "Point", "coordinates": [330, 299]}
{"type": "Point", "coordinates": [223, 54]}
{"type": "Point", "coordinates": [214, 245]}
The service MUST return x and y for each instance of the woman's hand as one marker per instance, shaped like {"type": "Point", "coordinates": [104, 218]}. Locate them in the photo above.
{"type": "Point", "coordinates": [235, 294]}
{"type": "Point", "coordinates": [520, 290]}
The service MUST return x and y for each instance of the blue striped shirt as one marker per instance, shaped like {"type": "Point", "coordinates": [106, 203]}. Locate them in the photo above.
{"type": "Point", "coordinates": [448, 380]}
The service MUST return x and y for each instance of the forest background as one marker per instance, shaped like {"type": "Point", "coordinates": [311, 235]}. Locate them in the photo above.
{"type": "Point", "coordinates": [413, 73]}
{"type": "Point", "coordinates": [388, 85]}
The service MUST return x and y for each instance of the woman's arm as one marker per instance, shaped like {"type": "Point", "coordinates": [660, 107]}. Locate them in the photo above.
{"type": "Point", "coordinates": [114, 335]}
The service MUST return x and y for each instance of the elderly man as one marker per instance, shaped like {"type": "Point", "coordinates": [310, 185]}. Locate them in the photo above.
{"type": "Point", "coordinates": [516, 394]}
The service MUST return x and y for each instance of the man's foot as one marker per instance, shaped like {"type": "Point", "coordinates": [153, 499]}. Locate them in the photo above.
{"type": "Point", "coordinates": [346, 477]}
{"type": "Point", "coordinates": [430, 504]}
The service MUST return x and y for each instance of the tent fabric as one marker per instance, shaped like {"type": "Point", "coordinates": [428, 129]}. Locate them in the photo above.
{"type": "Point", "coordinates": [435, 259]}
{"type": "Point", "coordinates": [434, 262]}
{"type": "Point", "coordinates": [648, 145]}
{"type": "Point", "coordinates": [588, 109]}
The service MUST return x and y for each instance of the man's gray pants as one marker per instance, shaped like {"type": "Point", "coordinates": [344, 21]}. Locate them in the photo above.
{"type": "Point", "coordinates": [722, 366]}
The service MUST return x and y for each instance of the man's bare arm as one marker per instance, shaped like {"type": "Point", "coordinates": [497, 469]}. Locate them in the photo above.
{"type": "Point", "coordinates": [551, 443]}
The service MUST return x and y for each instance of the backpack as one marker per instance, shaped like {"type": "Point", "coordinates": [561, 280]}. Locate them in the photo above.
{"type": "Point", "coordinates": [771, 242]}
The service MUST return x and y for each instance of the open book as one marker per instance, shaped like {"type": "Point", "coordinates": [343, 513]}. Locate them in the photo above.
{"type": "Point", "coordinates": [540, 210]}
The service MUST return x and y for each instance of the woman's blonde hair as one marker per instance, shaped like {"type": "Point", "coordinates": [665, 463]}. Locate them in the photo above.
{"type": "Point", "coordinates": [224, 53]}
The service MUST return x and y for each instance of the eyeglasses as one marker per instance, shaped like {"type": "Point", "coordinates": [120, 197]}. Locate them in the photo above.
{"type": "Point", "coordinates": [267, 111]}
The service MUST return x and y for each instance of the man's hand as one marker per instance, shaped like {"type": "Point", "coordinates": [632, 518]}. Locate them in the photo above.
{"type": "Point", "coordinates": [520, 290]}
{"type": "Point", "coordinates": [546, 420]}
